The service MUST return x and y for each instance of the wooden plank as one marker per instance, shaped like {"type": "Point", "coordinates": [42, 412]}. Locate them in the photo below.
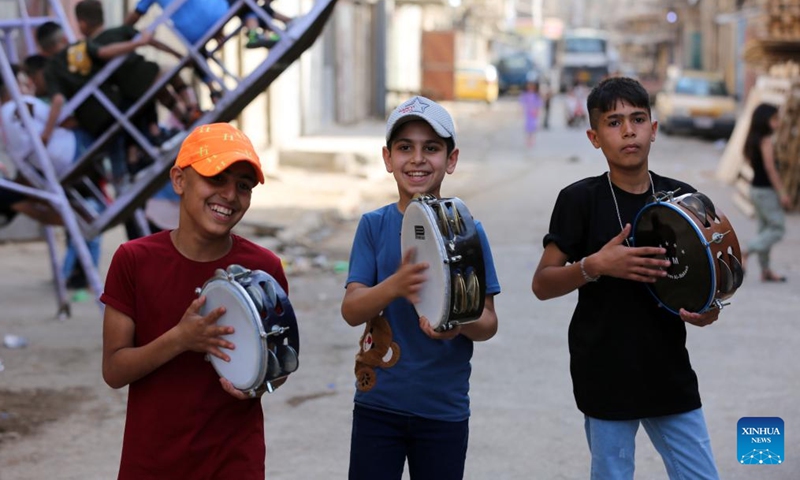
{"type": "Point", "coordinates": [744, 205]}
{"type": "Point", "coordinates": [788, 145]}
{"type": "Point", "coordinates": [784, 92]}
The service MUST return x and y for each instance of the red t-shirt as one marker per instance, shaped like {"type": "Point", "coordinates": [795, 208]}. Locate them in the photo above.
{"type": "Point", "coordinates": [180, 422]}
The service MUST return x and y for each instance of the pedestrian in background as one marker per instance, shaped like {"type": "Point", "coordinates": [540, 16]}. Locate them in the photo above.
{"type": "Point", "coordinates": [546, 92]}
{"type": "Point", "coordinates": [767, 191]}
{"type": "Point", "coordinates": [531, 103]}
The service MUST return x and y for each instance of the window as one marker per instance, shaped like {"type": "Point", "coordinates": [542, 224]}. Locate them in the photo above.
{"type": "Point", "coordinates": [701, 87]}
{"type": "Point", "coordinates": [585, 45]}
{"type": "Point", "coordinates": [515, 63]}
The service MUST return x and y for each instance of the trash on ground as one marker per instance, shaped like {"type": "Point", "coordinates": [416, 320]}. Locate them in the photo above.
{"type": "Point", "coordinates": [14, 341]}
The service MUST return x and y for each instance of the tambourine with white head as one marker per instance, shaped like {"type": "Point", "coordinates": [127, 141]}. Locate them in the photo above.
{"type": "Point", "coordinates": [265, 328]}
{"type": "Point", "coordinates": [702, 246]}
{"type": "Point", "coordinates": [444, 235]}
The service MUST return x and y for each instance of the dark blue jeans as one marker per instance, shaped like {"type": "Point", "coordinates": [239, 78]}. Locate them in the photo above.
{"type": "Point", "coordinates": [382, 441]}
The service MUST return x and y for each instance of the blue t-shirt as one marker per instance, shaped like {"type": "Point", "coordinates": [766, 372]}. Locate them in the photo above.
{"type": "Point", "coordinates": [194, 18]}
{"type": "Point", "coordinates": [167, 192]}
{"type": "Point", "coordinates": [431, 377]}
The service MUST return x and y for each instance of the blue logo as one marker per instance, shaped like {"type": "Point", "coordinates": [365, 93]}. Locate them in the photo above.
{"type": "Point", "coordinates": [760, 440]}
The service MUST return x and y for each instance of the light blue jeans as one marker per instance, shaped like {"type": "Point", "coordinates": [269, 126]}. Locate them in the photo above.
{"type": "Point", "coordinates": [83, 142]}
{"type": "Point", "coordinates": [71, 255]}
{"type": "Point", "coordinates": [771, 223]}
{"type": "Point", "coordinates": [682, 440]}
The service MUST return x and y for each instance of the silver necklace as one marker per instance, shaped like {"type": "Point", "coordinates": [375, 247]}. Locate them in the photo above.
{"type": "Point", "coordinates": [616, 205]}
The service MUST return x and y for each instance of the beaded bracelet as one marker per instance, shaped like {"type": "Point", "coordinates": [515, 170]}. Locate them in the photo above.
{"type": "Point", "coordinates": [586, 275]}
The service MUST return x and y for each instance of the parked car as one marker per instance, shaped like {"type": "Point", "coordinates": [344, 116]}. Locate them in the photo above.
{"type": "Point", "coordinates": [476, 81]}
{"type": "Point", "coordinates": [696, 102]}
{"type": "Point", "coordinates": [514, 71]}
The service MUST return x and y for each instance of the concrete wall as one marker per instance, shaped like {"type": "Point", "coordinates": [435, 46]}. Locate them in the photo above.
{"type": "Point", "coordinates": [404, 52]}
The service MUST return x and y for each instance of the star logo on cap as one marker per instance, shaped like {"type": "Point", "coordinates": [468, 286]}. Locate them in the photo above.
{"type": "Point", "coordinates": [415, 107]}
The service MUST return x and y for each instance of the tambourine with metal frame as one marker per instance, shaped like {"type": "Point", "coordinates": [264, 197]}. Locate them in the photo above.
{"type": "Point", "coordinates": [265, 328]}
{"type": "Point", "coordinates": [702, 246]}
{"type": "Point", "coordinates": [444, 235]}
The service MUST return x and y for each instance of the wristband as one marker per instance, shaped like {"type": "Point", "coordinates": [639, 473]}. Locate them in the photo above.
{"type": "Point", "coordinates": [586, 275]}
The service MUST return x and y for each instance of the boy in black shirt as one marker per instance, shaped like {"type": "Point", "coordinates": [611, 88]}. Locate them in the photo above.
{"type": "Point", "coordinates": [628, 356]}
{"type": "Point", "coordinates": [68, 69]}
{"type": "Point", "coordinates": [136, 74]}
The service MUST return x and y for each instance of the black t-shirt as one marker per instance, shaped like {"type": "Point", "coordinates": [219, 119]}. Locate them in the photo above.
{"type": "Point", "coordinates": [136, 74]}
{"type": "Point", "coordinates": [760, 178]}
{"type": "Point", "coordinates": [628, 356]}
{"type": "Point", "coordinates": [68, 71]}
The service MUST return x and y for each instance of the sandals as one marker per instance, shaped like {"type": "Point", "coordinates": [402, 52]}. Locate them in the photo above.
{"type": "Point", "coordinates": [772, 278]}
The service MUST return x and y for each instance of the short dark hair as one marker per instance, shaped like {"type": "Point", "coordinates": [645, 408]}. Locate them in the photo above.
{"type": "Point", "coordinates": [606, 94]}
{"type": "Point", "coordinates": [35, 63]}
{"type": "Point", "coordinates": [90, 11]}
{"type": "Point", "coordinates": [48, 34]}
{"type": "Point", "coordinates": [759, 128]}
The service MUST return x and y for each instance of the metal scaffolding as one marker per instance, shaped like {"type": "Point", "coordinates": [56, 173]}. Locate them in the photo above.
{"type": "Point", "coordinates": [72, 193]}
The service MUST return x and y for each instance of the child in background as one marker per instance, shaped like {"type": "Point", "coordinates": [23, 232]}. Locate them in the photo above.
{"type": "Point", "coordinates": [531, 105]}
{"type": "Point", "coordinates": [192, 20]}
{"type": "Point", "coordinates": [258, 32]}
{"type": "Point", "coordinates": [64, 146]}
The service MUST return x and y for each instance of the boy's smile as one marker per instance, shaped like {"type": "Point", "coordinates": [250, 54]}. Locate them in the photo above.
{"type": "Point", "coordinates": [215, 204]}
{"type": "Point", "coordinates": [418, 159]}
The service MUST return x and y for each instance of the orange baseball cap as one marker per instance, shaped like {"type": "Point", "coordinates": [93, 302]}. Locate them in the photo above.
{"type": "Point", "coordinates": [212, 148]}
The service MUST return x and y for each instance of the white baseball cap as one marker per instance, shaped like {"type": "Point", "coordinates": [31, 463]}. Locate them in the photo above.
{"type": "Point", "coordinates": [421, 108]}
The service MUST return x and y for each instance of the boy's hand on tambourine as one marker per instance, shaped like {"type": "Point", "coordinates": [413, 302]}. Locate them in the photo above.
{"type": "Point", "coordinates": [617, 259]}
{"type": "Point", "coordinates": [409, 277]}
{"type": "Point", "coordinates": [201, 333]}
{"type": "Point", "coordinates": [233, 391]}
{"type": "Point", "coordinates": [425, 325]}
{"type": "Point", "coordinates": [699, 319]}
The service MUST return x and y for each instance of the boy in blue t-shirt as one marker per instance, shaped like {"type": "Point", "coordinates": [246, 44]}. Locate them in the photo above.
{"type": "Point", "coordinates": [192, 19]}
{"type": "Point", "coordinates": [414, 403]}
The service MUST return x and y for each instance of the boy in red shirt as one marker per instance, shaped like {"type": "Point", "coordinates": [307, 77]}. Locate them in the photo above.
{"type": "Point", "coordinates": [184, 421]}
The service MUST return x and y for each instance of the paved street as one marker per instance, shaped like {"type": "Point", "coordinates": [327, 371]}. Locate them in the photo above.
{"type": "Point", "coordinates": [524, 425]}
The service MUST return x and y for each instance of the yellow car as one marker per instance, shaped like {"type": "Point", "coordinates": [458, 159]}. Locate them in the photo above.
{"type": "Point", "coordinates": [696, 102]}
{"type": "Point", "coordinates": [476, 82]}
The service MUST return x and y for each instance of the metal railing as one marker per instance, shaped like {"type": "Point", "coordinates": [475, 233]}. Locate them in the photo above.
{"type": "Point", "coordinates": [62, 190]}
